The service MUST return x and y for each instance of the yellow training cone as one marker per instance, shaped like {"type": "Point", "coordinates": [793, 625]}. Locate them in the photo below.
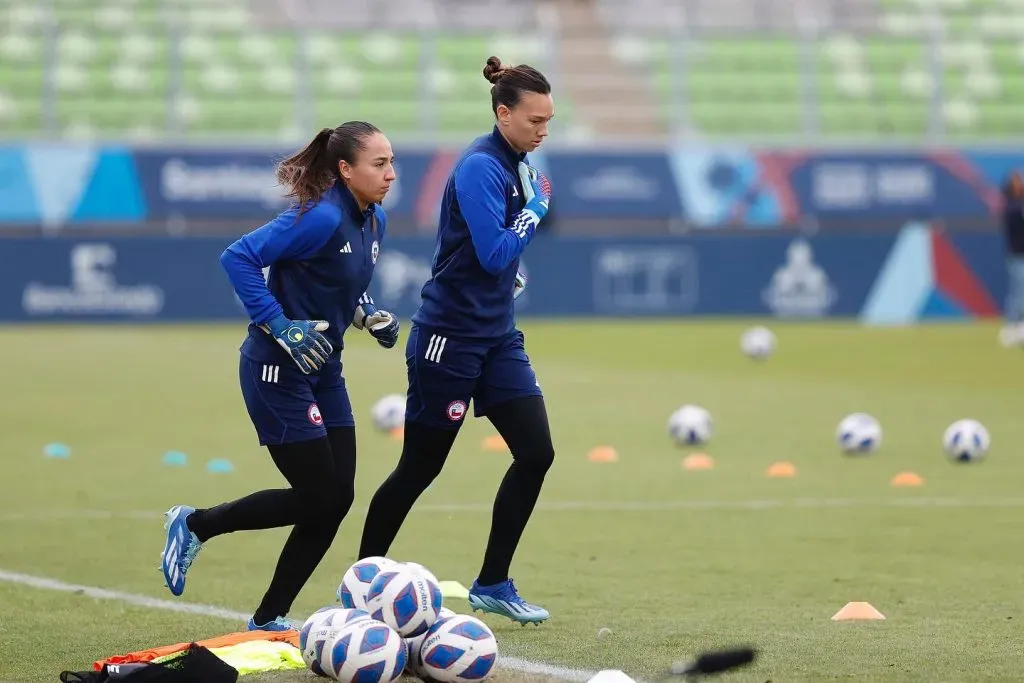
{"type": "Point", "coordinates": [698, 461]}
{"type": "Point", "coordinates": [603, 454]}
{"type": "Point", "coordinates": [453, 589]}
{"type": "Point", "coordinates": [857, 611]}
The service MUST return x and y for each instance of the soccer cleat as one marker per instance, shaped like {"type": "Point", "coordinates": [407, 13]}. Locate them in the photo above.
{"type": "Point", "coordinates": [503, 598]}
{"type": "Point", "coordinates": [180, 549]}
{"type": "Point", "coordinates": [279, 624]}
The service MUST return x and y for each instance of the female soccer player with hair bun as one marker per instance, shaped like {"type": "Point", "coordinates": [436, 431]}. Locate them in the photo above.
{"type": "Point", "coordinates": [464, 345]}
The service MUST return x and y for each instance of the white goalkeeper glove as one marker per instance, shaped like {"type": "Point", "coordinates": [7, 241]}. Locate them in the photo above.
{"type": "Point", "coordinates": [381, 325]}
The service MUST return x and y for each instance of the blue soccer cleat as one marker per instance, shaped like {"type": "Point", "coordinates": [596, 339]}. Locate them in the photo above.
{"type": "Point", "coordinates": [503, 598]}
{"type": "Point", "coordinates": [180, 549]}
{"type": "Point", "coordinates": [279, 624]}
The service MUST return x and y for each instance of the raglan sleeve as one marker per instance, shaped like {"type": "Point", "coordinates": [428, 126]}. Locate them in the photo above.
{"type": "Point", "coordinates": [480, 188]}
{"type": "Point", "coordinates": [287, 237]}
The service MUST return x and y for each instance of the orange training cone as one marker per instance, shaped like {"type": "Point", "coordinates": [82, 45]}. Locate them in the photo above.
{"type": "Point", "coordinates": [857, 611]}
{"type": "Point", "coordinates": [494, 442]}
{"type": "Point", "coordinates": [603, 454]}
{"type": "Point", "coordinates": [398, 433]}
{"type": "Point", "coordinates": [698, 461]}
{"type": "Point", "coordinates": [907, 479]}
{"type": "Point", "coordinates": [781, 469]}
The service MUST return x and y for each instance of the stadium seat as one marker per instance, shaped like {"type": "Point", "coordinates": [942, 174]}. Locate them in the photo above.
{"type": "Point", "coordinates": [743, 76]}
{"type": "Point", "coordinates": [210, 68]}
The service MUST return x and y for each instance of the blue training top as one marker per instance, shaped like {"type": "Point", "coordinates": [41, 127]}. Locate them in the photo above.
{"type": "Point", "coordinates": [469, 293]}
{"type": "Point", "coordinates": [320, 267]}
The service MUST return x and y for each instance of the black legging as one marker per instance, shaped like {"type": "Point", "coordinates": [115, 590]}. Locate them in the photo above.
{"type": "Point", "coordinates": [322, 477]}
{"type": "Point", "coordinates": [523, 424]}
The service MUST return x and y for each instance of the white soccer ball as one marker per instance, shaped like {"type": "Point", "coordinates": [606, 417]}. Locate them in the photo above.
{"type": "Point", "coordinates": [311, 625]}
{"type": "Point", "coordinates": [859, 434]}
{"type": "Point", "coordinates": [690, 425]}
{"type": "Point", "coordinates": [413, 664]}
{"type": "Point", "coordinates": [389, 412]}
{"type": "Point", "coordinates": [321, 627]}
{"type": "Point", "coordinates": [365, 651]}
{"type": "Point", "coordinates": [458, 650]}
{"type": "Point", "coordinates": [429, 574]}
{"type": "Point", "coordinates": [758, 342]}
{"type": "Point", "coordinates": [1012, 335]}
{"type": "Point", "coordinates": [356, 581]}
{"type": "Point", "coordinates": [406, 597]}
{"type": "Point", "coordinates": [966, 441]}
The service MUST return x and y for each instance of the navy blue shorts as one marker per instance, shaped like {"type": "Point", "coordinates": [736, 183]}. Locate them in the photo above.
{"type": "Point", "coordinates": [286, 405]}
{"type": "Point", "coordinates": [446, 373]}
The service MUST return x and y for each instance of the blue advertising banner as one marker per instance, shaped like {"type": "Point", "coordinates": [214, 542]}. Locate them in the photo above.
{"type": "Point", "coordinates": [597, 185]}
{"type": "Point", "coordinates": [707, 187]}
{"type": "Point", "coordinates": [759, 274]}
{"type": "Point", "coordinates": [727, 186]}
{"type": "Point", "coordinates": [869, 187]}
{"type": "Point", "coordinates": [58, 184]}
{"type": "Point", "coordinates": [209, 184]}
{"type": "Point", "coordinates": [114, 279]}
{"type": "Point", "coordinates": [242, 184]}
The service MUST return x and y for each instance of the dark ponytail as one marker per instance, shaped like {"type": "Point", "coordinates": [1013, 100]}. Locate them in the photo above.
{"type": "Point", "coordinates": [311, 171]}
{"type": "Point", "coordinates": [510, 82]}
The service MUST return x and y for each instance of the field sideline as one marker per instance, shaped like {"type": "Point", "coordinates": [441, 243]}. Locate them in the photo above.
{"type": "Point", "coordinates": [672, 561]}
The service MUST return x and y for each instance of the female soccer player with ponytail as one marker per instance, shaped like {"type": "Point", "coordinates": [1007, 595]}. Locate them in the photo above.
{"type": "Point", "coordinates": [464, 344]}
{"type": "Point", "coordinates": [321, 253]}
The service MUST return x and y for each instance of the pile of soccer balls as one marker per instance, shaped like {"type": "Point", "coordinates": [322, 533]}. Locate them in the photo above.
{"type": "Point", "coordinates": [391, 621]}
{"type": "Point", "coordinates": [857, 434]}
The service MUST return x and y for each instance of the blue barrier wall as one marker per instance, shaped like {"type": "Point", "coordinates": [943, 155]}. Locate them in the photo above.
{"type": "Point", "coordinates": [899, 277]}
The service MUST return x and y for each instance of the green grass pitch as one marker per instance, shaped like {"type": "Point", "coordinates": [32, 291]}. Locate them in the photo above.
{"type": "Point", "coordinates": [671, 561]}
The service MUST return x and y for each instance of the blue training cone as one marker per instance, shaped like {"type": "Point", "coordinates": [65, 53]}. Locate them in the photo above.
{"type": "Point", "coordinates": [175, 459]}
{"type": "Point", "coordinates": [219, 466]}
{"type": "Point", "coordinates": [57, 450]}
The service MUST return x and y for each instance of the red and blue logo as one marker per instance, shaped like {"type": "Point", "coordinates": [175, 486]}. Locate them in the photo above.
{"type": "Point", "coordinates": [924, 277]}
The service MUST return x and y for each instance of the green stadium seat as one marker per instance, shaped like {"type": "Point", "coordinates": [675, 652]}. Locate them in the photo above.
{"type": "Point", "coordinates": [213, 68]}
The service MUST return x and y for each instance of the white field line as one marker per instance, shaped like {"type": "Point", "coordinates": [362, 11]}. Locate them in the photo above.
{"type": "Point", "coordinates": [589, 506]}
{"type": "Point", "coordinates": [41, 582]}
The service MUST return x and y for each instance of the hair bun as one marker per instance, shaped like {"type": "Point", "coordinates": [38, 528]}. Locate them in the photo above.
{"type": "Point", "coordinates": [493, 69]}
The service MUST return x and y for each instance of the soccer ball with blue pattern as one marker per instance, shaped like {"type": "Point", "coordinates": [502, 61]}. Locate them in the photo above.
{"type": "Point", "coordinates": [966, 441]}
{"type": "Point", "coordinates": [366, 651]}
{"type": "Point", "coordinates": [356, 581]}
{"type": "Point", "coordinates": [859, 434]}
{"type": "Point", "coordinates": [389, 412]}
{"type": "Point", "coordinates": [406, 597]}
{"type": "Point", "coordinates": [758, 342]}
{"type": "Point", "coordinates": [310, 654]}
{"type": "Point", "coordinates": [414, 666]}
{"type": "Point", "coordinates": [458, 650]}
{"type": "Point", "coordinates": [321, 627]}
{"type": "Point", "coordinates": [690, 425]}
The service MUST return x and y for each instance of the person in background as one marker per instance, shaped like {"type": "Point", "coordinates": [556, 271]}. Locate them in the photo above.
{"type": "Point", "coordinates": [1012, 333]}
